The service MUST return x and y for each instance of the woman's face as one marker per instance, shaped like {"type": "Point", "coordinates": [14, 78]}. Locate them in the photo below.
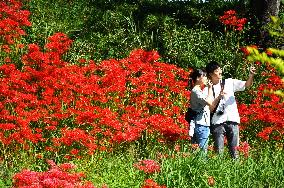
{"type": "Point", "coordinates": [203, 79]}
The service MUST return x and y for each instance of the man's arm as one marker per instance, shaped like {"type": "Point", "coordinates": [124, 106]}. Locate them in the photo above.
{"type": "Point", "coordinates": [250, 78]}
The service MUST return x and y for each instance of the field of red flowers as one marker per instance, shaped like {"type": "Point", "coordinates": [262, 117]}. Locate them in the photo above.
{"type": "Point", "coordinates": [77, 109]}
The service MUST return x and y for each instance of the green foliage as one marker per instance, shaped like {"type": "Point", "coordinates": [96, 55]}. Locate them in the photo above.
{"type": "Point", "coordinates": [49, 17]}
{"type": "Point", "coordinates": [184, 33]}
{"type": "Point", "coordinates": [276, 62]}
{"type": "Point", "coordinates": [276, 27]}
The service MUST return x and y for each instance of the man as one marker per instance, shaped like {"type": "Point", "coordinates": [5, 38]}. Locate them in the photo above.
{"type": "Point", "coordinates": [225, 118]}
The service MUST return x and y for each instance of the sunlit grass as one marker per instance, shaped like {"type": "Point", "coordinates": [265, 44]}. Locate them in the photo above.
{"type": "Point", "coordinates": [184, 168]}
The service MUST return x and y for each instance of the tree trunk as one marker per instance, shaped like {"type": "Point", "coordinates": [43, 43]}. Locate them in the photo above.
{"type": "Point", "coordinates": [271, 9]}
{"type": "Point", "coordinates": [263, 9]}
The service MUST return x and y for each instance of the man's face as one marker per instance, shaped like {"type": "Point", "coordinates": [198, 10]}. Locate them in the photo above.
{"type": "Point", "coordinates": [217, 74]}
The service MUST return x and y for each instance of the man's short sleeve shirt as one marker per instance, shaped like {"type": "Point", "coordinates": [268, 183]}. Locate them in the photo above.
{"type": "Point", "coordinates": [228, 103]}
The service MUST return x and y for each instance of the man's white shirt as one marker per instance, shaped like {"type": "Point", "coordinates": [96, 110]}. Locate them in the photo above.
{"type": "Point", "coordinates": [228, 101]}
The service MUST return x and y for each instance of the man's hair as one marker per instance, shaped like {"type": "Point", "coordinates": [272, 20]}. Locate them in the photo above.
{"type": "Point", "coordinates": [211, 67]}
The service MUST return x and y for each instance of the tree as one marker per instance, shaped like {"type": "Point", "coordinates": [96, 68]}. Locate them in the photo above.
{"type": "Point", "coordinates": [263, 10]}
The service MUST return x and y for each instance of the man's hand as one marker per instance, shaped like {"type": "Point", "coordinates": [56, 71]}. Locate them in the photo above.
{"type": "Point", "coordinates": [222, 93]}
{"type": "Point", "coordinates": [252, 70]}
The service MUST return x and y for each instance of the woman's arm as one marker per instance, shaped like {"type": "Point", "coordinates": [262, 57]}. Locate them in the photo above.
{"type": "Point", "coordinates": [202, 97]}
{"type": "Point", "coordinates": [209, 98]}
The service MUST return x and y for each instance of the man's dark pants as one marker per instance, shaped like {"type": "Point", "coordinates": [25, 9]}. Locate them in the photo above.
{"type": "Point", "coordinates": [231, 131]}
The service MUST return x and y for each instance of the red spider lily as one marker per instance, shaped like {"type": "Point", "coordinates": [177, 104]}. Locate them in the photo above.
{"type": "Point", "coordinates": [267, 108]}
{"type": "Point", "coordinates": [56, 176]}
{"type": "Point", "coordinates": [244, 148]}
{"type": "Point", "coordinates": [194, 146]}
{"type": "Point", "coordinates": [39, 156]}
{"type": "Point", "coordinates": [74, 151]}
{"type": "Point", "coordinates": [149, 183]}
{"type": "Point", "coordinates": [177, 148]}
{"type": "Point", "coordinates": [66, 166]}
{"type": "Point", "coordinates": [12, 20]}
{"type": "Point", "coordinates": [148, 166]}
{"type": "Point", "coordinates": [7, 60]}
{"type": "Point", "coordinates": [39, 92]}
{"type": "Point", "coordinates": [245, 51]}
{"type": "Point", "coordinates": [265, 133]}
{"type": "Point", "coordinates": [6, 48]}
{"type": "Point", "coordinates": [59, 43]}
{"type": "Point", "coordinates": [161, 156]}
{"type": "Point", "coordinates": [211, 181]}
{"type": "Point", "coordinates": [269, 52]}
{"type": "Point", "coordinates": [230, 19]}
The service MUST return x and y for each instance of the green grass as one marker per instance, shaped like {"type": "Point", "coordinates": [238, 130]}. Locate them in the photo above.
{"type": "Point", "coordinates": [263, 168]}
{"type": "Point", "coordinates": [263, 172]}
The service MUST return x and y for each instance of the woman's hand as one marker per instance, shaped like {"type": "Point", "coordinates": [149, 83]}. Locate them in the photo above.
{"type": "Point", "coordinates": [209, 84]}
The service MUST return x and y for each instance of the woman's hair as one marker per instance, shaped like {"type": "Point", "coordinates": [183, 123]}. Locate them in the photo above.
{"type": "Point", "coordinates": [211, 67]}
{"type": "Point", "coordinates": [194, 75]}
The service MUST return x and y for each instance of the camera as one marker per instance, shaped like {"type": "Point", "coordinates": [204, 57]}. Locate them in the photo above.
{"type": "Point", "coordinates": [220, 112]}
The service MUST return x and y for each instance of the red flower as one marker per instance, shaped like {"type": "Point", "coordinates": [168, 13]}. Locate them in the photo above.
{"type": "Point", "coordinates": [12, 20]}
{"type": "Point", "coordinates": [177, 148]}
{"type": "Point", "coordinates": [149, 183]}
{"type": "Point", "coordinates": [244, 149]}
{"type": "Point", "coordinates": [6, 48]}
{"type": "Point", "coordinates": [269, 52]}
{"type": "Point", "coordinates": [195, 146]}
{"type": "Point", "coordinates": [230, 12]}
{"type": "Point", "coordinates": [66, 166]}
{"type": "Point", "coordinates": [7, 60]}
{"type": "Point", "coordinates": [211, 181]}
{"type": "Point", "coordinates": [148, 166]}
{"type": "Point", "coordinates": [230, 19]}
{"type": "Point", "coordinates": [56, 177]}
{"type": "Point", "coordinates": [74, 151]}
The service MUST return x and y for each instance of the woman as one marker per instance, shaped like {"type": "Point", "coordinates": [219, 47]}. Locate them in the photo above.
{"type": "Point", "coordinates": [201, 98]}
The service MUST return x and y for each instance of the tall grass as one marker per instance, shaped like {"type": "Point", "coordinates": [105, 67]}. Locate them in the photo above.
{"type": "Point", "coordinates": [179, 169]}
